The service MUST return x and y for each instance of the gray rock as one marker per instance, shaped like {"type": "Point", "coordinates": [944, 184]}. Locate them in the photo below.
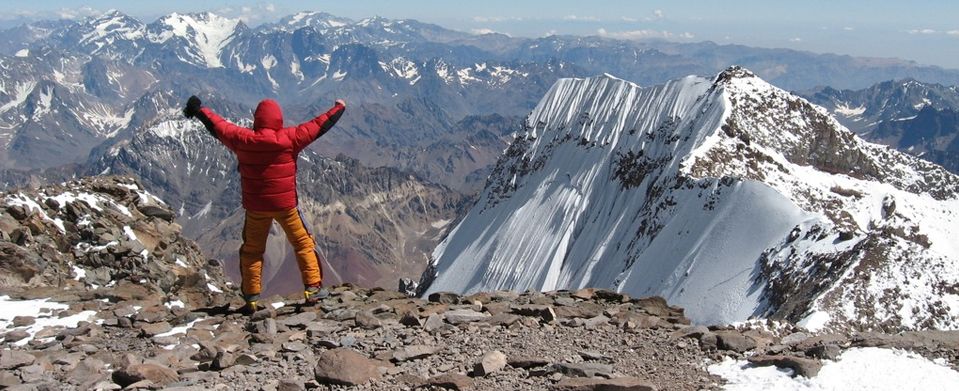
{"type": "Point", "coordinates": [410, 319]}
{"type": "Point", "coordinates": [709, 341]}
{"type": "Point", "coordinates": [586, 369]}
{"type": "Point", "coordinates": [152, 329]}
{"type": "Point", "coordinates": [617, 384]}
{"type": "Point", "coordinates": [457, 317]}
{"type": "Point", "coordinates": [328, 343]}
{"type": "Point", "coordinates": [266, 327]}
{"type": "Point", "coordinates": [444, 298]}
{"type": "Point", "coordinates": [527, 362]}
{"type": "Point", "coordinates": [544, 312]}
{"type": "Point", "coordinates": [139, 372]}
{"type": "Point", "coordinates": [266, 313]}
{"type": "Point", "coordinates": [88, 370]}
{"type": "Point", "coordinates": [590, 355]}
{"type": "Point", "coordinates": [345, 367]}
{"type": "Point", "coordinates": [503, 319]}
{"type": "Point", "coordinates": [490, 363]}
{"type": "Point", "coordinates": [565, 301]}
{"type": "Point", "coordinates": [794, 338]}
{"type": "Point", "coordinates": [223, 360]}
{"type": "Point", "coordinates": [13, 359]}
{"type": "Point", "coordinates": [824, 352]}
{"type": "Point", "coordinates": [596, 322]}
{"type": "Point", "coordinates": [290, 385]}
{"type": "Point", "coordinates": [450, 381]}
{"type": "Point", "coordinates": [246, 359]}
{"type": "Point", "coordinates": [733, 340]}
{"type": "Point", "coordinates": [15, 335]}
{"type": "Point", "coordinates": [23, 321]}
{"type": "Point", "coordinates": [433, 322]}
{"type": "Point", "coordinates": [34, 373]}
{"type": "Point", "coordinates": [294, 346]}
{"type": "Point", "coordinates": [207, 352]}
{"type": "Point", "coordinates": [347, 341]}
{"type": "Point", "coordinates": [9, 379]}
{"type": "Point", "coordinates": [694, 332]}
{"type": "Point", "coordinates": [801, 366]}
{"type": "Point", "coordinates": [300, 320]}
{"type": "Point", "coordinates": [157, 211]}
{"type": "Point", "coordinates": [414, 352]}
{"type": "Point", "coordinates": [366, 320]}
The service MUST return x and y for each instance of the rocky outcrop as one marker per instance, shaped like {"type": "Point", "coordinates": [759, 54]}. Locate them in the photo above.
{"type": "Point", "coordinates": [104, 236]}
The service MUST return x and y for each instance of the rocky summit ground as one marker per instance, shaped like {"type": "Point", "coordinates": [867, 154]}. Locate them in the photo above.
{"type": "Point", "coordinates": [361, 339]}
{"type": "Point", "coordinates": [100, 290]}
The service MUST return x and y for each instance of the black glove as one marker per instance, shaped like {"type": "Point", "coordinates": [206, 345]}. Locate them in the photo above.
{"type": "Point", "coordinates": [192, 107]}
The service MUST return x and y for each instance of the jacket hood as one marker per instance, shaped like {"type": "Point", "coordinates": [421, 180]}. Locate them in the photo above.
{"type": "Point", "coordinates": [268, 115]}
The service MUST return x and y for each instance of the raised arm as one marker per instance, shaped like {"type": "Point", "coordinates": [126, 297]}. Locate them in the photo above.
{"type": "Point", "coordinates": [309, 131]}
{"type": "Point", "coordinates": [221, 129]}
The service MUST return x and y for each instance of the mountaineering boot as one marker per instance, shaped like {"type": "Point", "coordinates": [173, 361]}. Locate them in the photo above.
{"type": "Point", "coordinates": [251, 305]}
{"type": "Point", "coordinates": [250, 308]}
{"type": "Point", "coordinates": [314, 293]}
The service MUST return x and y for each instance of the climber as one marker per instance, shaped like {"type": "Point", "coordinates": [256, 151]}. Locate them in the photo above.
{"type": "Point", "coordinates": [267, 157]}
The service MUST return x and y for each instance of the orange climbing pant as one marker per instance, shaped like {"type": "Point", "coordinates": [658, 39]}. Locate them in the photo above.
{"type": "Point", "coordinates": [256, 228]}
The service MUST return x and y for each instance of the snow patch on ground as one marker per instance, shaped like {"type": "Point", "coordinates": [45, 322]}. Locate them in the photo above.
{"type": "Point", "coordinates": [847, 111]}
{"type": "Point", "coordinates": [42, 310]}
{"type": "Point", "coordinates": [856, 369]}
{"type": "Point", "coordinates": [179, 329]}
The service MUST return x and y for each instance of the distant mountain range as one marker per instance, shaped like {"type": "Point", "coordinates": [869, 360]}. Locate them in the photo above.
{"type": "Point", "coordinates": [433, 106]}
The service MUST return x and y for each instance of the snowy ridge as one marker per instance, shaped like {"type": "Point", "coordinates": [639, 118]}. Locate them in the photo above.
{"type": "Point", "coordinates": [699, 191]}
{"type": "Point", "coordinates": [207, 33]}
{"type": "Point", "coordinates": [110, 28]}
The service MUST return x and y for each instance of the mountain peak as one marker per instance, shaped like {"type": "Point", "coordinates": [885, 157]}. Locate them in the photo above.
{"type": "Point", "coordinates": [206, 32]}
{"type": "Point", "coordinates": [309, 19]}
{"type": "Point", "coordinates": [708, 194]}
{"type": "Point", "coordinates": [734, 72]}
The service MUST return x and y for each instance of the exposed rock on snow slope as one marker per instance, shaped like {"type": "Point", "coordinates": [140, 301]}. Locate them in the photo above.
{"type": "Point", "coordinates": [729, 197]}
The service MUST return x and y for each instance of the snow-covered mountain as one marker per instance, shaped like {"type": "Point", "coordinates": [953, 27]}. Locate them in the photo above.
{"type": "Point", "coordinates": [727, 196]}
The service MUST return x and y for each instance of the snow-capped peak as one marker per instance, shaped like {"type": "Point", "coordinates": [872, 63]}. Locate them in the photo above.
{"type": "Point", "coordinates": [729, 197]}
{"type": "Point", "coordinates": [312, 19]}
{"type": "Point", "coordinates": [206, 32]}
{"type": "Point", "coordinates": [109, 27]}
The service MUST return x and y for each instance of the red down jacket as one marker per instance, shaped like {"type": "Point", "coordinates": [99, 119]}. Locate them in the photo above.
{"type": "Point", "coordinates": [267, 154]}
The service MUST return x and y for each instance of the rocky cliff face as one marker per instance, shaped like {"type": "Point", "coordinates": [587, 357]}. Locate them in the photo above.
{"type": "Point", "coordinates": [914, 117]}
{"type": "Point", "coordinates": [103, 233]}
{"type": "Point", "coordinates": [728, 196]}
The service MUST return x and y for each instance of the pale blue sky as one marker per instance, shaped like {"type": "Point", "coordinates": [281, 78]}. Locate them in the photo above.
{"type": "Point", "coordinates": [922, 30]}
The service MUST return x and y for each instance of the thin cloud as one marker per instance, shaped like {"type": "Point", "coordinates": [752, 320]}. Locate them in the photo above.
{"type": "Point", "coordinates": [922, 31]}
{"type": "Point", "coordinates": [635, 35]}
{"type": "Point", "coordinates": [484, 31]}
{"type": "Point", "coordinates": [18, 14]}
{"type": "Point", "coordinates": [497, 19]}
{"type": "Point", "coordinates": [77, 13]}
{"type": "Point", "coordinates": [954, 33]}
{"type": "Point", "coordinates": [577, 18]}
{"type": "Point", "coordinates": [250, 14]}
{"type": "Point", "coordinates": [847, 28]}
{"type": "Point", "coordinates": [795, 39]}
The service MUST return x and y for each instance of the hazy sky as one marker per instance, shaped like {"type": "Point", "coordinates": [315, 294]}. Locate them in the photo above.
{"type": "Point", "coordinates": [922, 30]}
